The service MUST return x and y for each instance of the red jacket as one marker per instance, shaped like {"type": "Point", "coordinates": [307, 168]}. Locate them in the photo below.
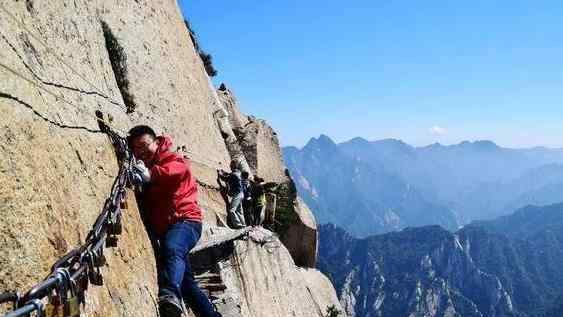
{"type": "Point", "coordinates": [171, 195]}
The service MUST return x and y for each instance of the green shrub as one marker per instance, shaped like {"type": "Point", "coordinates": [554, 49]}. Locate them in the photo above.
{"type": "Point", "coordinates": [206, 58]}
{"type": "Point", "coordinates": [285, 208]}
{"type": "Point", "coordinates": [332, 311]}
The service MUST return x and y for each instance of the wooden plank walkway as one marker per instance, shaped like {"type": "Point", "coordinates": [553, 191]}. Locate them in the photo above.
{"type": "Point", "coordinates": [222, 235]}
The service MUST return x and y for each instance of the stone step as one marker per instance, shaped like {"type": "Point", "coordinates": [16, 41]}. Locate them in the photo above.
{"type": "Point", "coordinates": [213, 287]}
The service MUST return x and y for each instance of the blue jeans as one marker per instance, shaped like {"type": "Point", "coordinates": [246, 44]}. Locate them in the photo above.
{"type": "Point", "coordinates": [236, 214]}
{"type": "Point", "coordinates": [175, 276]}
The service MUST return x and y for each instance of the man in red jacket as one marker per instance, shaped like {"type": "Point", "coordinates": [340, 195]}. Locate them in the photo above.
{"type": "Point", "coordinates": [169, 199]}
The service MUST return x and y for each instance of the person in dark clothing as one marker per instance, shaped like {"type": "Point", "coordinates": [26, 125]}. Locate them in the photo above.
{"type": "Point", "coordinates": [247, 201]}
{"type": "Point", "coordinates": [235, 215]}
{"type": "Point", "coordinates": [169, 199]}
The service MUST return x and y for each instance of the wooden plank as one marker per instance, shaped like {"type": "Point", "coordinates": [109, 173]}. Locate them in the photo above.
{"type": "Point", "coordinates": [220, 238]}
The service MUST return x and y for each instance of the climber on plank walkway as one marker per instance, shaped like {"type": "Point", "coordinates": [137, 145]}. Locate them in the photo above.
{"type": "Point", "coordinates": [259, 190]}
{"type": "Point", "coordinates": [169, 199]}
{"type": "Point", "coordinates": [235, 216]}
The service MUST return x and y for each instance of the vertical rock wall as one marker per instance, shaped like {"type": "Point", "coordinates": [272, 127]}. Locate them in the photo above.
{"type": "Point", "coordinates": [134, 61]}
{"type": "Point", "coordinates": [294, 220]}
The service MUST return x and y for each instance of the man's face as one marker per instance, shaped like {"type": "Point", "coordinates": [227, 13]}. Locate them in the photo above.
{"type": "Point", "coordinates": [145, 147]}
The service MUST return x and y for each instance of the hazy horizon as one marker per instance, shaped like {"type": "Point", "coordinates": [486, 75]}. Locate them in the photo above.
{"type": "Point", "coordinates": [300, 146]}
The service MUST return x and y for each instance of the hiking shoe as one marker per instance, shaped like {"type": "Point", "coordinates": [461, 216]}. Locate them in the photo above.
{"type": "Point", "coordinates": [170, 306]}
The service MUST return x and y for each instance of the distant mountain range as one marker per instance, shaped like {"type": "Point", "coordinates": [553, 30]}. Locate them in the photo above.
{"type": "Point", "coordinates": [370, 187]}
{"type": "Point", "coordinates": [361, 197]}
{"type": "Point", "coordinates": [512, 266]}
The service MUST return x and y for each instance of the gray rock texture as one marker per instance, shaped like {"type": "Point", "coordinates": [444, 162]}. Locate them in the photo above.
{"type": "Point", "coordinates": [133, 61]}
{"type": "Point", "coordinates": [257, 139]}
{"type": "Point", "coordinates": [256, 269]}
{"type": "Point", "coordinates": [429, 271]}
{"type": "Point", "coordinates": [302, 237]}
{"type": "Point", "coordinates": [260, 145]}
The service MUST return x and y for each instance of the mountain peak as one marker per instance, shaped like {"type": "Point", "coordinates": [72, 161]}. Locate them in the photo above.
{"type": "Point", "coordinates": [359, 140]}
{"type": "Point", "coordinates": [432, 146]}
{"type": "Point", "coordinates": [486, 144]}
{"type": "Point", "coordinates": [323, 141]}
{"type": "Point", "coordinates": [480, 144]}
{"type": "Point", "coordinates": [325, 138]}
{"type": "Point", "coordinates": [395, 142]}
{"type": "Point", "coordinates": [475, 145]}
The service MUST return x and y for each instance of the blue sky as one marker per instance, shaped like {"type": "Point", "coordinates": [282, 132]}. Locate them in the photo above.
{"type": "Point", "coordinates": [420, 71]}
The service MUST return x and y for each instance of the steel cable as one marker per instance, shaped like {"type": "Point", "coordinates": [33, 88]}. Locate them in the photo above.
{"type": "Point", "coordinates": [201, 160]}
{"type": "Point", "coordinates": [59, 58]}
{"type": "Point", "coordinates": [58, 98]}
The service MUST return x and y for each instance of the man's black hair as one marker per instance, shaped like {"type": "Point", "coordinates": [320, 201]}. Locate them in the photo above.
{"type": "Point", "coordinates": [138, 131]}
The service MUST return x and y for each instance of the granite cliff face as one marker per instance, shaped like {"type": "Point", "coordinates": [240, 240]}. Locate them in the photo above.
{"type": "Point", "coordinates": [260, 146]}
{"type": "Point", "coordinates": [133, 61]}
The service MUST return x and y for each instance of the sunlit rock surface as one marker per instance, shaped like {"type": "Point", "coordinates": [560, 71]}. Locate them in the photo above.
{"type": "Point", "coordinates": [135, 62]}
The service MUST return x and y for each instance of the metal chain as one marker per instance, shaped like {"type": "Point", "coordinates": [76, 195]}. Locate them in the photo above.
{"type": "Point", "coordinates": [80, 266]}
